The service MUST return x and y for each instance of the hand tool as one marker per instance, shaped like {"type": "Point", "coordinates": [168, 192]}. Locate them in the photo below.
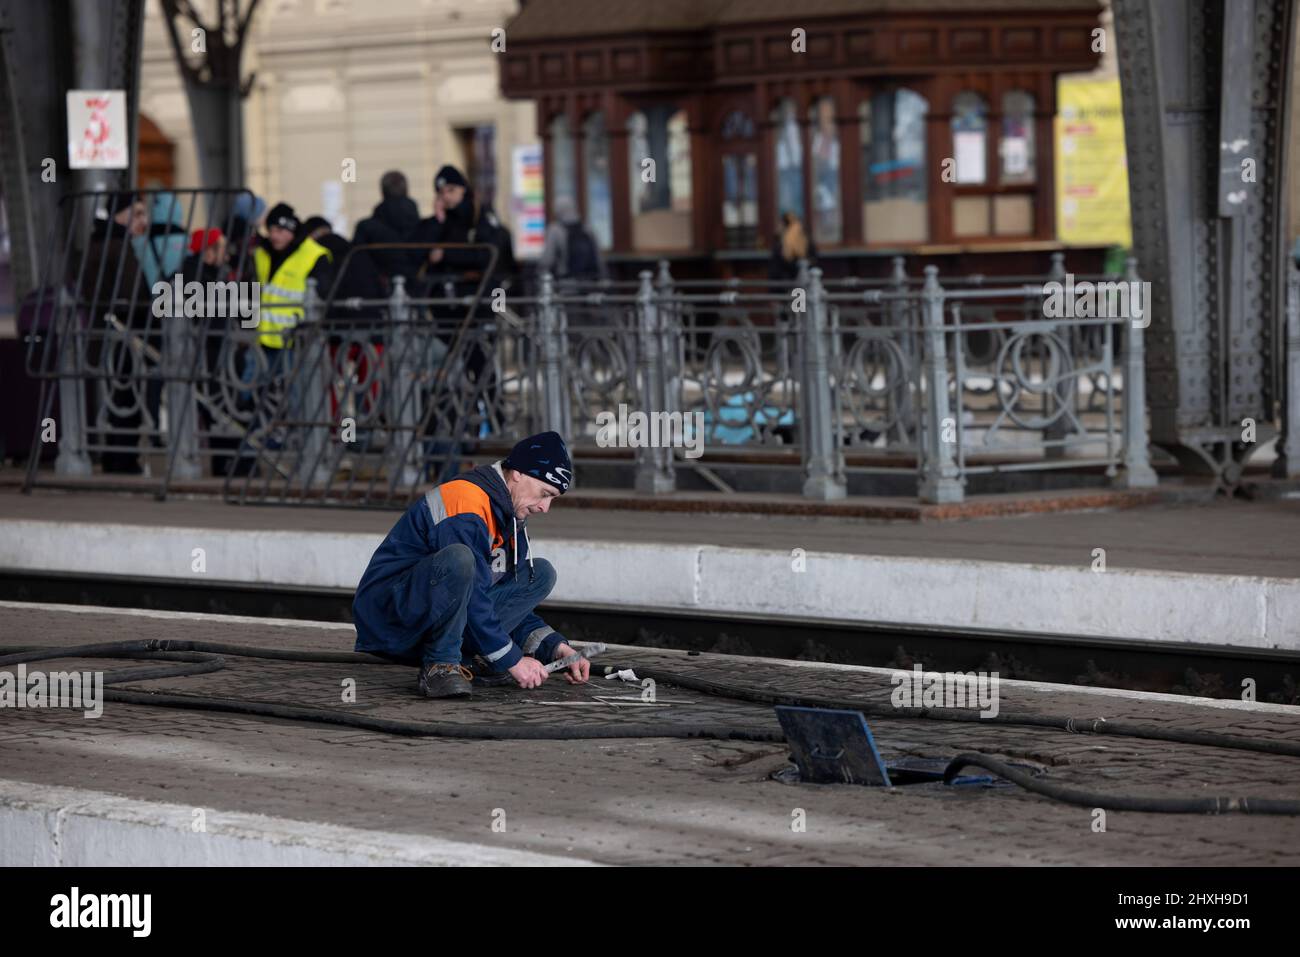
{"type": "Point", "coordinates": [588, 652]}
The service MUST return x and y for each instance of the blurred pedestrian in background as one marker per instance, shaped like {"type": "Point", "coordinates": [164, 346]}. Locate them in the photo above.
{"type": "Point", "coordinates": [790, 245]}
{"type": "Point", "coordinates": [570, 251]}
{"type": "Point", "coordinates": [393, 220]}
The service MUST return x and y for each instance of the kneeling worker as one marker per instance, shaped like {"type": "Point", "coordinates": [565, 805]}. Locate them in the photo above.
{"type": "Point", "coordinates": [447, 587]}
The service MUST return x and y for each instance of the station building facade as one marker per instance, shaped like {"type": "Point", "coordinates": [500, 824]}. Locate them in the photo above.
{"type": "Point", "coordinates": [686, 128]}
{"type": "Point", "coordinates": [339, 84]}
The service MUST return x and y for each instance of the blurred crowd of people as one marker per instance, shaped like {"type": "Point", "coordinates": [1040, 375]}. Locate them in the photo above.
{"type": "Point", "coordinates": [141, 238]}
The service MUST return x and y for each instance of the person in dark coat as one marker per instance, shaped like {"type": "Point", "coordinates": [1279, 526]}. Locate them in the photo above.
{"type": "Point", "coordinates": [111, 284]}
{"type": "Point", "coordinates": [355, 275]}
{"type": "Point", "coordinates": [394, 220]}
{"type": "Point", "coordinates": [460, 218]}
{"type": "Point", "coordinates": [112, 273]}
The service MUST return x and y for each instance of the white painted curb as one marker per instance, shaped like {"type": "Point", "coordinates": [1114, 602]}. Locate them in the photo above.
{"type": "Point", "coordinates": [1178, 607]}
{"type": "Point", "coordinates": [45, 825]}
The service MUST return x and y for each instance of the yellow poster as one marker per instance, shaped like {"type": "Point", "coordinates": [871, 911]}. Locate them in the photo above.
{"type": "Point", "coordinates": [1091, 164]}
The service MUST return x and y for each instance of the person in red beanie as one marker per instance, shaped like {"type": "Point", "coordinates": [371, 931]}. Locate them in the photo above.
{"type": "Point", "coordinates": [210, 244]}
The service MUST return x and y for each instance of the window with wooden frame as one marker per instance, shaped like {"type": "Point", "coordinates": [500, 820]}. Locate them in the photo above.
{"type": "Point", "coordinates": [1013, 207]}
{"type": "Point", "coordinates": [892, 135]}
{"type": "Point", "coordinates": [995, 190]}
{"type": "Point", "coordinates": [972, 202]}
{"type": "Point", "coordinates": [659, 178]}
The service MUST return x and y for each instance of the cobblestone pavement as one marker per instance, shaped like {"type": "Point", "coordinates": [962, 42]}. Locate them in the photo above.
{"type": "Point", "coordinates": [637, 800]}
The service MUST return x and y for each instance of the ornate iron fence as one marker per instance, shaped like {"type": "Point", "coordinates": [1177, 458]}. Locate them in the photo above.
{"type": "Point", "coordinates": [374, 398]}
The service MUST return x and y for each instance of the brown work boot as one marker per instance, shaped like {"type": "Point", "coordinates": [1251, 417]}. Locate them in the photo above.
{"type": "Point", "coordinates": [484, 675]}
{"type": "Point", "coordinates": [445, 681]}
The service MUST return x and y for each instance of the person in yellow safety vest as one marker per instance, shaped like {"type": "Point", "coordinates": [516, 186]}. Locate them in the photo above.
{"type": "Point", "coordinates": [284, 263]}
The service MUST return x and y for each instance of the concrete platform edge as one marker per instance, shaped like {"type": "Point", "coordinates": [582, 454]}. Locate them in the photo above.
{"type": "Point", "coordinates": [46, 825]}
{"type": "Point", "coordinates": [1177, 607]}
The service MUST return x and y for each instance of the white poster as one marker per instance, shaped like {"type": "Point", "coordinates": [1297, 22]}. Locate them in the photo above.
{"type": "Point", "coordinates": [331, 206]}
{"type": "Point", "coordinates": [969, 146]}
{"type": "Point", "coordinates": [1015, 156]}
{"type": "Point", "coordinates": [97, 130]}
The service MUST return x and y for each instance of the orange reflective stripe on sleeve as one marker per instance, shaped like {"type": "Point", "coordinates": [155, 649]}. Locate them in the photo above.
{"type": "Point", "coordinates": [460, 497]}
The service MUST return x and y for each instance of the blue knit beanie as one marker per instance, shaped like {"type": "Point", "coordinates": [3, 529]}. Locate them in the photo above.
{"type": "Point", "coordinates": [545, 458]}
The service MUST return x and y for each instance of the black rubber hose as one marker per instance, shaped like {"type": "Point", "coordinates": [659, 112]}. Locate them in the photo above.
{"type": "Point", "coordinates": [208, 658]}
{"type": "Point", "coordinates": [206, 655]}
{"type": "Point", "coordinates": [203, 663]}
{"type": "Point", "coordinates": [433, 729]}
{"type": "Point", "coordinates": [1073, 725]}
{"type": "Point", "coordinates": [1118, 802]}
{"type": "Point", "coordinates": [164, 647]}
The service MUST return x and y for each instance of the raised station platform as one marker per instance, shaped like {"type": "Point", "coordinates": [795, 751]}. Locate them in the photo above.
{"type": "Point", "coordinates": [142, 784]}
{"type": "Point", "coordinates": [1220, 572]}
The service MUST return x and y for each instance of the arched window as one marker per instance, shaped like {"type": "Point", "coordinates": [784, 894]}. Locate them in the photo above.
{"type": "Point", "coordinates": [564, 173]}
{"type": "Point", "coordinates": [827, 220]}
{"type": "Point", "coordinates": [892, 132]}
{"type": "Point", "coordinates": [659, 170]}
{"type": "Point", "coordinates": [789, 160]}
{"type": "Point", "coordinates": [737, 125]}
{"type": "Point", "coordinates": [969, 137]}
{"type": "Point", "coordinates": [600, 210]}
{"type": "Point", "coordinates": [1017, 147]}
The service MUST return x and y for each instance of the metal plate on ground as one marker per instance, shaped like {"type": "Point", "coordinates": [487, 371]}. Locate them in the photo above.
{"type": "Point", "coordinates": [832, 747]}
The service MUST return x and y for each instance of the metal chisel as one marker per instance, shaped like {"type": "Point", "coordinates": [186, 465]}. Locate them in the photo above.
{"type": "Point", "coordinates": [589, 652]}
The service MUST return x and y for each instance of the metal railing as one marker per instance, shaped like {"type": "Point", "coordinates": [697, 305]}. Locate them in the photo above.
{"type": "Point", "coordinates": [111, 364]}
{"type": "Point", "coordinates": [375, 398]}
